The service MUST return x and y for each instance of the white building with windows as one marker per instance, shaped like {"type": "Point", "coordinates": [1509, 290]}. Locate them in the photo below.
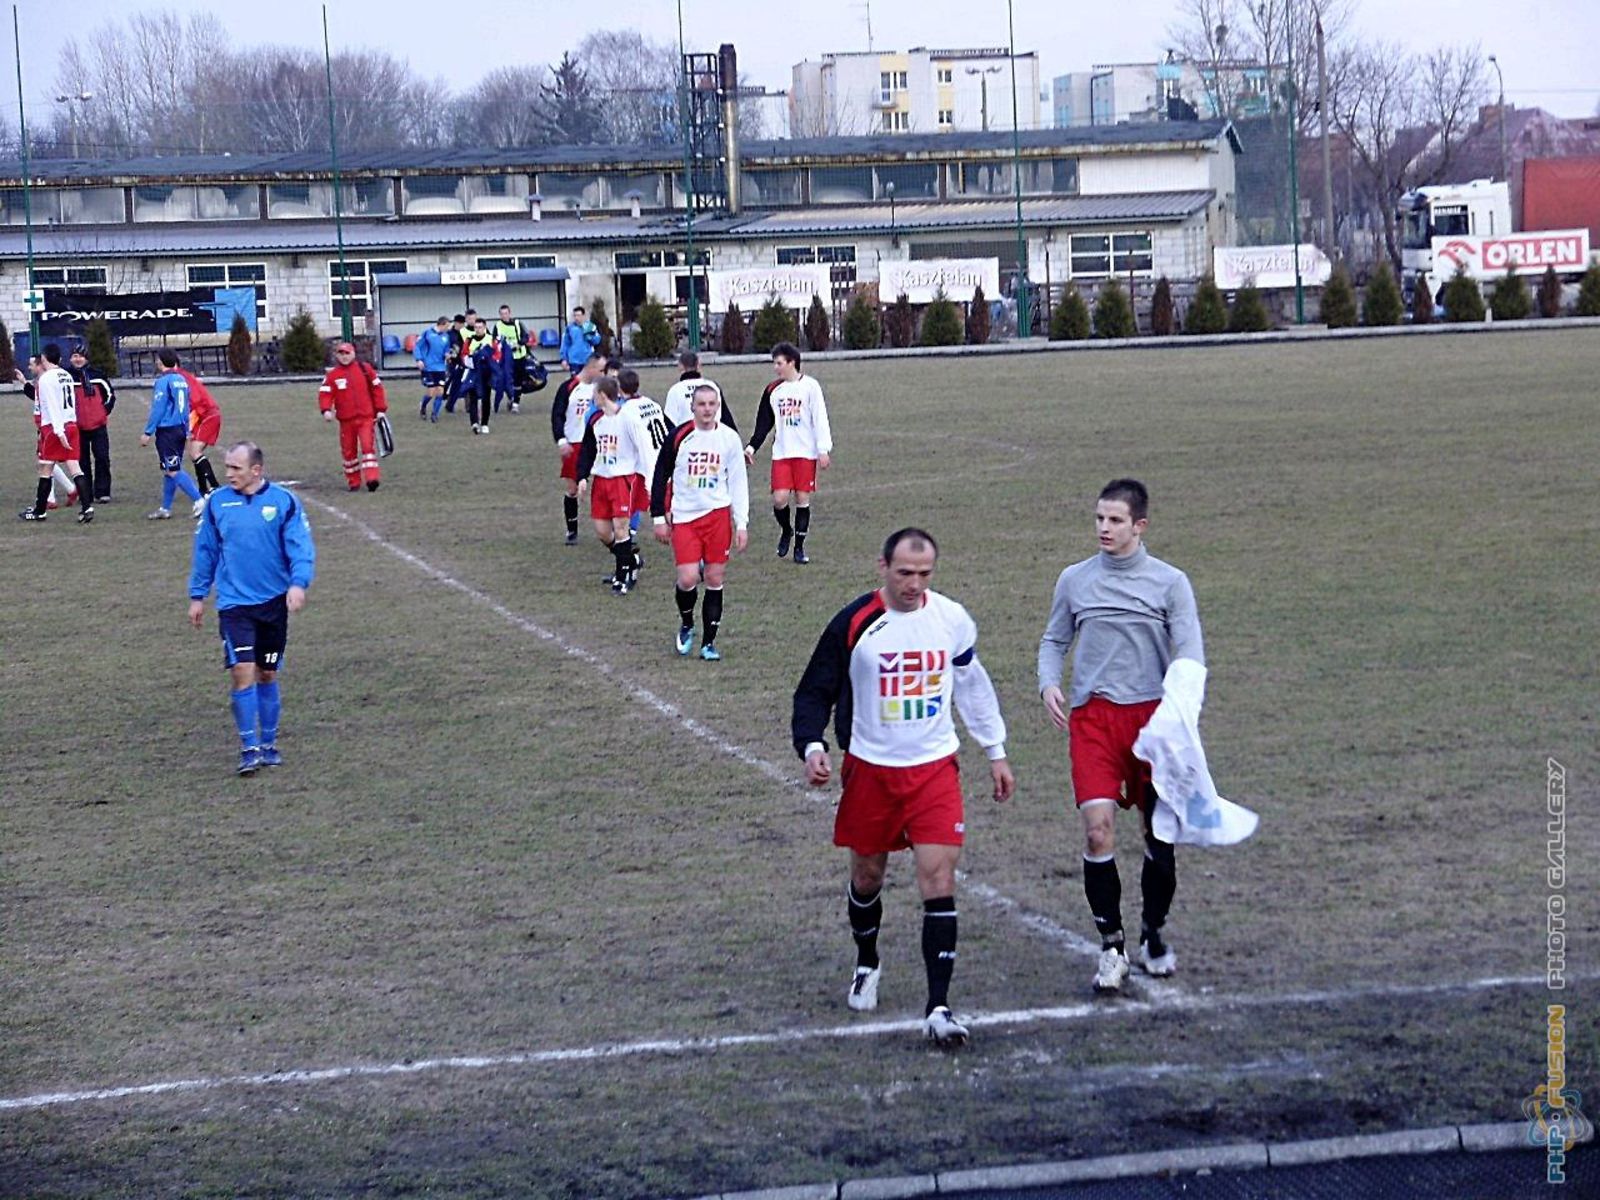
{"type": "Point", "coordinates": [1109, 93]}
{"type": "Point", "coordinates": [1138, 201]}
{"type": "Point", "coordinates": [915, 91]}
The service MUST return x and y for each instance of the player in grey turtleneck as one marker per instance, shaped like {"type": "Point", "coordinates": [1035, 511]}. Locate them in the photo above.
{"type": "Point", "coordinates": [1129, 615]}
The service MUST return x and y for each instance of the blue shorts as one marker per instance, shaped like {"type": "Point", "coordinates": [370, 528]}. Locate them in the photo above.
{"type": "Point", "coordinates": [170, 441]}
{"type": "Point", "coordinates": [255, 633]}
{"type": "Point", "coordinates": [433, 378]}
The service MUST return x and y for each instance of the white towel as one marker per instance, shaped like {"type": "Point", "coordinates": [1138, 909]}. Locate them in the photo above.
{"type": "Point", "coordinates": [1188, 808]}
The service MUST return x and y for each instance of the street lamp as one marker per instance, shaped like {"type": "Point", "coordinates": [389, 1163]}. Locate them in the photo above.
{"type": "Point", "coordinates": [1495, 62]}
{"type": "Point", "coordinates": [1024, 315]}
{"type": "Point", "coordinates": [72, 101]}
{"type": "Point", "coordinates": [894, 236]}
{"type": "Point", "coordinates": [983, 74]}
{"type": "Point", "coordinates": [1289, 92]}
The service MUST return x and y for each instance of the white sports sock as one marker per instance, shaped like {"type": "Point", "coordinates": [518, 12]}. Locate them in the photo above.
{"type": "Point", "coordinates": [59, 474]}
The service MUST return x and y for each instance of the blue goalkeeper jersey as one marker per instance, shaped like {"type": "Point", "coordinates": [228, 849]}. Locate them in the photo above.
{"type": "Point", "coordinates": [254, 548]}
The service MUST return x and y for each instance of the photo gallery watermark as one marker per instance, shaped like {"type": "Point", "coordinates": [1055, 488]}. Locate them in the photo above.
{"type": "Point", "coordinates": [1555, 1120]}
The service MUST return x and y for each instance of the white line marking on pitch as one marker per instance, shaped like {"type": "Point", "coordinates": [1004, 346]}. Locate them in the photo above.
{"type": "Point", "coordinates": [665, 707]}
{"type": "Point", "coordinates": [668, 1046]}
{"type": "Point", "coordinates": [749, 758]}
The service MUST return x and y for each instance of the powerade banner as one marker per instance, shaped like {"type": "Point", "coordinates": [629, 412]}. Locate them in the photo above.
{"type": "Point", "coordinates": [133, 313]}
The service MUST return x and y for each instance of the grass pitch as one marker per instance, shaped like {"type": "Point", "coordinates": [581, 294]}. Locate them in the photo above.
{"type": "Point", "coordinates": [484, 845]}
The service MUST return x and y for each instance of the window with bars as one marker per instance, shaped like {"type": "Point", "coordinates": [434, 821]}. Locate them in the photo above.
{"type": "Point", "coordinates": [515, 262]}
{"type": "Point", "coordinates": [841, 262]}
{"type": "Point", "coordinates": [947, 118]}
{"type": "Point", "coordinates": [81, 279]}
{"type": "Point", "coordinates": [233, 275]}
{"type": "Point", "coordinates": [356, 282]}
{"type": "Point", "coordinates": [1111, 254]}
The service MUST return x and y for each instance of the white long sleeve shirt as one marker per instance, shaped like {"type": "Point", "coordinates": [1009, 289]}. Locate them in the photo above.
{"type": "Point", "coordinates": [704, 470]}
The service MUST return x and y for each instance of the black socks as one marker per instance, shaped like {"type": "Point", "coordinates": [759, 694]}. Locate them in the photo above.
{"type": "Point", "coordinates": [866, 912]}
{"type": "Point", "coordinates": [1159, 881]}
{"type": "Point", "coordinates": [939, 948]}
{"type": "Point", "coordinates": [42, 495]}
{"type": "Point", "coordinates": [711, 614]}
{"type": "Point", "coordinates": [802, 525]}
{"type": "Point", "coordinates": [781, 515]}
{"type": "Point", "coordinates": [204, 475]}
{"type": "Point", "coordinates": [569, 509]}
{"type": "Point", "coordinates": [1103, 886]}
{"type": "Point", "coordinates": [686, 598]}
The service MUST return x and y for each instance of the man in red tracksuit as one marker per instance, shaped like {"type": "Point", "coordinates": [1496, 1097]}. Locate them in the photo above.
{"type": "Point", "coordinates": [353, 392]}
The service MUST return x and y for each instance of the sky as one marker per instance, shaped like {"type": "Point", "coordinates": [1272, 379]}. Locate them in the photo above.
{"type": "Point", "coordinates": [1546, 48]}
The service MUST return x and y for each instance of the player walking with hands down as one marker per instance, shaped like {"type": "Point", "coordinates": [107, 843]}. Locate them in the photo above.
{"type": "Point", "coordinates": [169, 426]}
{"type": "Point", "coordinates": [568, 408]}
{"type": "Point", "coordinates": [888, 667]}
{"type": "Point", "coordinates": [1129, 615]}
{"type": "Point", "coordinates": [609, 454]}
{"type": "Point", "coordinates": [702, 469]}
{"type": "Point", "coordinates": [793, 406]}
{"type": "Point", "coordinates": [59, 445]}
{"type": "Point", "coordinates": [254, 543]}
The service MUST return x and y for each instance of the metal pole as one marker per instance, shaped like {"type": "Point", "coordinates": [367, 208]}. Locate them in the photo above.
{"type": "Point", "coordinates": [1501, 106]}
{"type": "Point", "coordinates": [1329, 226]}
{"type": "Point", "coordinates": [1294, 171]}
{"type": "Point", "coordinates": [346, 325]}
{"type": "Point", "coordinates": [1024, 315]}
{"type": "Point", "coordinates": [688, 184]}
{"type": "Point", "coordinates": [27, 187]}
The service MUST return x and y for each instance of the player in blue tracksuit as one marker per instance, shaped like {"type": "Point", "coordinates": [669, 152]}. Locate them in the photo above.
{"type": "Point", "coordinates": [168, 424]}
{"type": "Point", "coordinates": [253, 543]}
{"type": "Point", "coordinates": [432, 352]}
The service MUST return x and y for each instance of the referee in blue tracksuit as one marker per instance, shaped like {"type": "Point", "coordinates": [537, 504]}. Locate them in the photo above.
{"type": "Point", "coordinates": [253, 543]}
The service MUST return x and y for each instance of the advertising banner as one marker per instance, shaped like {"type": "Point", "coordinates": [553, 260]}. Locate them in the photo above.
{"type": "Point", "coordinates": [132, 314]}
{"type": "Point", "coordinates": [750, 288]}
{"type": "Point", "coordinates": [1270, 266]}
{"type": "Point", "coordinates": [959, 277]}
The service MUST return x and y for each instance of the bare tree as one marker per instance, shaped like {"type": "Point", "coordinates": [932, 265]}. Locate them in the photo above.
{"type": "Point", "coordinates": [636, 82]}
{"type": "Point", "coordinates": [1221, 37]}
{"type": "Point", "coordinates": [1404, 117]}
{"type": "Point", "coordinates": [503, 111]}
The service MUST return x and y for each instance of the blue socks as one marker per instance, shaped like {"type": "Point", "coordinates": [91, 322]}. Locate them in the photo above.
{"type": "Point", "coordinates": [246, 713]}
{"type": "Point", "coordinates": [170, 484]}
{"type": "Point", "coordinates": [269, 706]}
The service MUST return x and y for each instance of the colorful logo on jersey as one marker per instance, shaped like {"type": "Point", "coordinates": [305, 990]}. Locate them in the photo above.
{"type": "Point", "coordinates": [704, 466]}
{"type": "Point", "coordinates": [790, 409]}
{"type": "Point", "coordinates": [911, 684]}
{"type": "Point", "coordinates": [605, 447]}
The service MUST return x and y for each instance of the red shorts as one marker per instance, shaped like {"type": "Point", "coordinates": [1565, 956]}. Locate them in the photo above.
{"type": "Point", "coordinates": [55, 449]}
{"type": "Point", "coordinates": [610, 499]}
{"type": "Point", "coordinates": [794, 474]}
{"type": "Point", "coordinates": [1100, 736]}
{"type": "Point", "coordinates": [893, 808]}
{"type": "Point", "coordinates": [569, 464]}
{"type": "Point", "coordinates": [706, 539]}
{"type": "Point", "coordinates": [208, 431]}
{"type": "Point", "coordinates": [641, 495]}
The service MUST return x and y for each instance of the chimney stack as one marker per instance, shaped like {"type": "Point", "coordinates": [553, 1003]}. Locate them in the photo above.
{"type": "Point", "coordinates": [728, 93]}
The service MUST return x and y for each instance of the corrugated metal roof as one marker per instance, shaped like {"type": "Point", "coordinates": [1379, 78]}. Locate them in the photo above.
{"type": "Point", "coordinates": [1064, 210]}
{"type": "Point", "coordinates": [316, 164]}
{"type": "Point", "coordinates": [292, 237]}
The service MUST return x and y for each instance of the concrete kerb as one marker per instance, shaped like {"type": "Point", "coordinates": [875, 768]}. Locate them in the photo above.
{"type": "Point", "coordinates": [1190, 1160]}
{"type": "Point", "coordinates": [1307, 333]}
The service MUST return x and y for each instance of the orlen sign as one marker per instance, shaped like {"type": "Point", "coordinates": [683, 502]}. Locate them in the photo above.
{"type": "Point", "coordinates": [1567, 250]}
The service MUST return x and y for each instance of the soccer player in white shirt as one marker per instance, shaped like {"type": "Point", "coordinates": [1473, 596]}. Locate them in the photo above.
{"type": "Point", "coordinates": [677, 402]}
{"type": "Point", "coordinates": [55, 398]}
{"type": "Point", "coordinates": [888, 668]}
{"type": "Point", "coordinates": [793, 406]}
{"type": "Point", "coordinates": [702, 466]}
{"type": "Point", "coordinates": [609, 455]}
{"type": "Point", "coordinates": [568, 408]}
